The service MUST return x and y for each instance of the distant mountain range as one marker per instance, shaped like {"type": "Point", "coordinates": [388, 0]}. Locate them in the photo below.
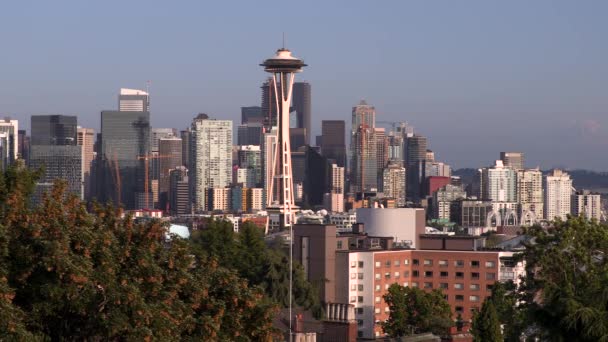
{"type": "Point", "coordinates": [581, 179]}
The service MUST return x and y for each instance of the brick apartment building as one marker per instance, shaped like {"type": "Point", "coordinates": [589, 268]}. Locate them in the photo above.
{"type": "Point", "coordinates": [358, 269]}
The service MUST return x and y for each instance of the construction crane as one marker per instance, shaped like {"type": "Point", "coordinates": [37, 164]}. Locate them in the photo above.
{"type": "Point", "coordinates": [115, 172]}
{"type": "Point", "coordinates": [146, 159]}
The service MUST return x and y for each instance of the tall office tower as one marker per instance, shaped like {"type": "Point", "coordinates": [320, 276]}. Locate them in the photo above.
{"type": "Point", "coordinates": [587, 204]}
{"type": "Point", "coordinates": [179, 191]}
{"type": "Point", "coordinates": [185, 135]}
{"type": "Point", "coordinates": [364, 165]}
{"type": "Point", "coordinates": [125, 144]}
{"type": "Point", "coordinates": [316, 177]}
{"type": "Point", "coordinates": [297, 138]}
{"type": "Point", "coordinates": [302, 107]}
{"type": "Point", "coordinates": [333, 141]}
{"type": "Point", "coordinates": [9, 142]}
{"type": "Point", "coordinates": [530, 192]}
{"type": "Point", "coordinates": [86, 139]}
{"type": "Point", "coordinates": [430, 156]}
{"type": "Point", "coordinates": [363, 114]}
{"type": "Point", "coordinates": [268, 152]}
{"type": "Point", "coordinates": [211, 158]}
{"type": "Point", "coordinates": [499, 183]}
{"type": "Point", "coordinates": [133, 100]}
{"type": "Point", "coordinates": [395, 145]}
{"type": "Point", "coordinates": [250, 134]}
{"type": "Point", "coordinates": [393, 182]}
{"type": "Point", "coordinates": [415, 146]}
{"type": "Point", "coordinates": [334, 199]}
{"type": "Point", "coordinates": [514, 160]}
{"type": "Point", "coordinates": [170, 158]}
{"type": "Point", "coordinates": [381, 154]}
{"type": "Point", "coordinates": [437, 169]}
{"type": "Point", "coordinates": [23, 149]}
{"type": "Point", "coordinates": [269, 110]}
{"type": "Point", "coordinates": [283, 67]}
{"type": "Point", "coordinates": [252, 115]}
{"type": "Point", "coordinates": [443, 199]}
{"type": "Point", "coordinates": [55, 149]}
{"type": "Point", "coordinates": [160, 133]}
{"type": "Point", "coordinates": [558, 189]}
{"type": "Point", "coordinates": [250, 158]}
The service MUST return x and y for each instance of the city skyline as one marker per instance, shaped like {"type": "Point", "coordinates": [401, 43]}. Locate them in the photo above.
{"type": "Point", "coordinates": [472, 82]}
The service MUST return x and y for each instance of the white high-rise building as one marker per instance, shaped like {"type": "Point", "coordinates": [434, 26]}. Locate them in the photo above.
{"type": "Point", "coordinates": [334, 200]}
{"type": "Point", "coordinates": [211, 157]}
{"type": "Point", "coordinates": [9, 141]}
{"type": "Point", "coordinates": [587, 204]}
{"type": "Point", "coordinates": [270, 145]}
{"type": "Point", "coordinates": [499, 183]}
{"type": "Point", "coordinates": [530, 192]}
{"type": "Point", "coordinates": [558, 190]}
{"type": "Point", "coordinates": [393, 180]}
{"type": "Point", "coordinates": [133, 100]}
{"type": "Point", "coordinates": [86, 139]}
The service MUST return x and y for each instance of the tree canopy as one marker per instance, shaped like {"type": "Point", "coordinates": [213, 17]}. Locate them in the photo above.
{"type": "Point", "coordinates": [413, 310]}
{"type": "Point", "coordinates": [67, 274]}
{"type": "Point", "coordinates": [486, 327]}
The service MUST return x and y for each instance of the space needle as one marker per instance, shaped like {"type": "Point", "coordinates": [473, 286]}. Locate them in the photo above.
{"type": "Point", "coordinates": [283, 67]}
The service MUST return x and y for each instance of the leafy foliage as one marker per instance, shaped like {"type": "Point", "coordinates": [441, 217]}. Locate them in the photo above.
{"type": "Point", "coordinates": [66, 274]}
{"type": "Point", "coordinates": [413, 310]}
{"type": "Point", "coordinates": [486, 327]}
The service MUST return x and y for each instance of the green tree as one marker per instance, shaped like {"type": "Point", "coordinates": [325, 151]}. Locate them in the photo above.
{"type": "Point", "coordinates": [413, 310]}
{"type": "Point", "coordinates": [564, 294]}
{"type": "Point", "coordinates": [486, 327]}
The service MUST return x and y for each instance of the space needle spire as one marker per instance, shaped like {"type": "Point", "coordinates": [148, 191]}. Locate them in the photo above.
{"type": "Point", "coordinates": [280, 197]}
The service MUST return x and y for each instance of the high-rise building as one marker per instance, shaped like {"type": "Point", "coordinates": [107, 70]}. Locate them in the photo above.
{"type": "Point", "coordinates": [170, 157]}
{"type": "Point", "coordinates": [499, 183]}
{"type": "Point", "coordinates": [334, 199]}
{"type": "Point", "coordinates": [86, 139]}
{"type": "Point", "coordinates": [415, 146]}
{"type": "Point", "coordinates": [283, 67]}
{"type": "Point", "coordinates": [333, 141]}
{"type": "Point", "coordinates": [395, 142]}
{"type": "Point", "coordinates": [160, 133]}
{"type": "Point", "coordinates": [179, 191]}
{"type": "Point", "coordinates": [252, 115]}
{"type": "Point", "coordinates": [219, 199]}
{"type": "Point", "coordinates": [514, 160]}
{"type": "Point", "coordinates": [363, 114]}
{"type": "Point", "coordinates": [530, 192]}
{"type": "Point", "coordinates": [250, 134]}
{"type": "Point", "coordinates": [297, 138]}
{"type": "Point", "coordinates": [443, 199]}
{"type": "Point", "coordinates": [394, 183]}
{"type": "Point", "coordinates": [250, 158]}
{"type": "Point", "coordinates": [558, 191]}
{"type": "Point", "coordinates": [133, 100]}
{"type": "Point", "coordinates": [364, 165]}
{"type": "Point", "coordinates": [55, 149]}
{"type": "Point", "coordinates": [315, 177]}
{"type": "Point", "coordinates": [23, 151]}
{"type": "Point", "coordinates": [381, 154]}
{"type": "Point", "coordinates": [125, 142]}
{"type": "Point", "coordinates": [302, 107]}
{"type": "Point", "coordinates": [587, 204]}
{"type": "Point", "coordinates": [268, 153]}
{"type": "Point", "coordinates": [269, 110]}
{"type": "Point", "coordinates": [211, 158]}
{"type": "Point", "coordinates": [185, 135]}
{"type": "Point", "coordinates": [9, 142]}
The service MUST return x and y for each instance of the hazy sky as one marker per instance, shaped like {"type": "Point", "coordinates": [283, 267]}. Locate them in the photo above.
{"type": "Point", "coordinates": [476, 77]}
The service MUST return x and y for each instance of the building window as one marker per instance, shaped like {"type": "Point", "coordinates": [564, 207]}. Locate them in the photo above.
{"type": "Point", "coordinates": [474, 287]}
{"type": "Point", "coordinates": [377, 288]}
{"type": "Point", "coordinates": [353, 276]}
{"type": "Point", "coordinates": [353, 264]}
{"type": "Point", "coordinates": [474, 298]}
{"type": "Point", "coordinates": [360, 299]}
{"type": "Point", "coordinates": [490, 276]}
{"type": "Point", "coordinates": [359, 311]}
{"type": "Point", "coordinates": [378, 264]}
{"type": "Point", "coordinates": [414, 273]}
{"type": "Point", "coordinates": [414, 284]}
{"type": "Point", "coordinates": [443, 274]}
{"type": "Point", "coordinates": [458, 286]}
{"type": "Point", "coordinates": [459, 263]}
{"type": "Point", "coordinates": [396, 275]}
{"type": "Point", "coordinates": [428, 262]}
{"type": "Point", "coordinates": [377, 299]}
{"type": "Point", "coordinates": [428, 274]}
{"type": "Point", "coordinates": [490, 264]}
{"type": "Point", "coordinates": [360, 333]}
{"type": "Point", "coordinates": [415, 262]}
{"type": "Point", "coordinates": [475, 275]}
{"type": "Point", "coordinates": [443, 263]}
{"type": "Point", "coordinates": [443, 286]}
{"type": "Point", "coordinates": [360, 287]}
{"type": "Point", "coordinates": [428, 285]}
{"type": "Point", "coordinates": [360, 264]}
{"type": "Point", "coordinates": [387, 263]}
{"type": "Point", "coordinates": [359, 322]}
{"type": "Point", "coordinates": [458, 309]}
{"type": "Point", "coordinates": [489, 287]}
{"type": "Point", "coordinates": [353, 287]}
{"type": "Point", "coordinates": [377, 276]}
{"type": "Point", "coordinates": [396, 263]}
{"type": "Point", "coordinates": [353, 299]}
{"type": "Point", "coordinates": [387, 309]}
{"type": "Point", "coordinates": [459, 298]}
{"type": "Point", "coordinates": [406, 261]}
{"type": "Point", "coordinates": [406, 273]}
{"type": "Point", "coordinates": [406, 284]}
{"type": "Point", "coordinates": [387, 275]}
{"type": "Point", "coordinates": [459, 275]}
{"type": "Point", "coordinates": [475, 263]}
{"type": "Point", "coordinates": [360, 275]}
{"type": "Point", "coordinates": [386, 286]}
{"type": "Point", "coordinates": [377, 310]}
{"type": "Point", "coordinates": [339, 244]}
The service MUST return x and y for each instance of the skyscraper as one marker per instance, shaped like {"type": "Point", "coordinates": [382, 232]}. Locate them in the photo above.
{"type": "Point", "coordinates": [211, 157]}
{"type": "Point", "coordinates": [363, 114]}
{"type": "Point", "coordinates": [185, 135]}
{"type": "Point", "coordinates": [179, 191]}
{"type": "Point", "coordinates": [170, 157]}
{"type": "Point", "coordinates": [125, 141]}
{"type": "Point", "coordinates": [364, 165]}
{"type": "Point", "coordinates": [283, 67]}
{"type": "Point", "coordinates": [252, 115]}
{"type": "Point", "coordinates": [334, 199]}
{"type": "Point", "coordinates": [160, 133]}
{"type": "Point", "coordinates": [250, 158]}
{"type": "Point", "coordinates": [530, 192]}
{"type": "Point", "coordinates": [23, 151]}
{"type": "Point", "coordinates": [499, 183]}
{"type": "Point", "coordinates": [86, 139]}
{"type": "Point", "coordinates": [55, 150]}
{"type": "Point", "coordinates": [333, 142]}
{"type": "Point", "coordinates": [393, 181]}
{"type": "Point", "coordinates": [587, 204]}
{"type": "Point", "coordinates": [9, 142]}
{"type": "Point", "coordinates": [514, 160]}
{"type": "Point", "coordinates": [250, 134]}
{"type": "Point", "coordinates": [415, 147]}
{"type": "Point", "coordinates": [133, 100]}
{"type": "Point", "coordinates": [558, 191]}
{"type": "Point", "coordinates": [302, 107]}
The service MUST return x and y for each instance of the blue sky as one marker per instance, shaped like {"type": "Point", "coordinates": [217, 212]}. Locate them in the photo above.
{"type": "Point", "coordinates": [476, 77]}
